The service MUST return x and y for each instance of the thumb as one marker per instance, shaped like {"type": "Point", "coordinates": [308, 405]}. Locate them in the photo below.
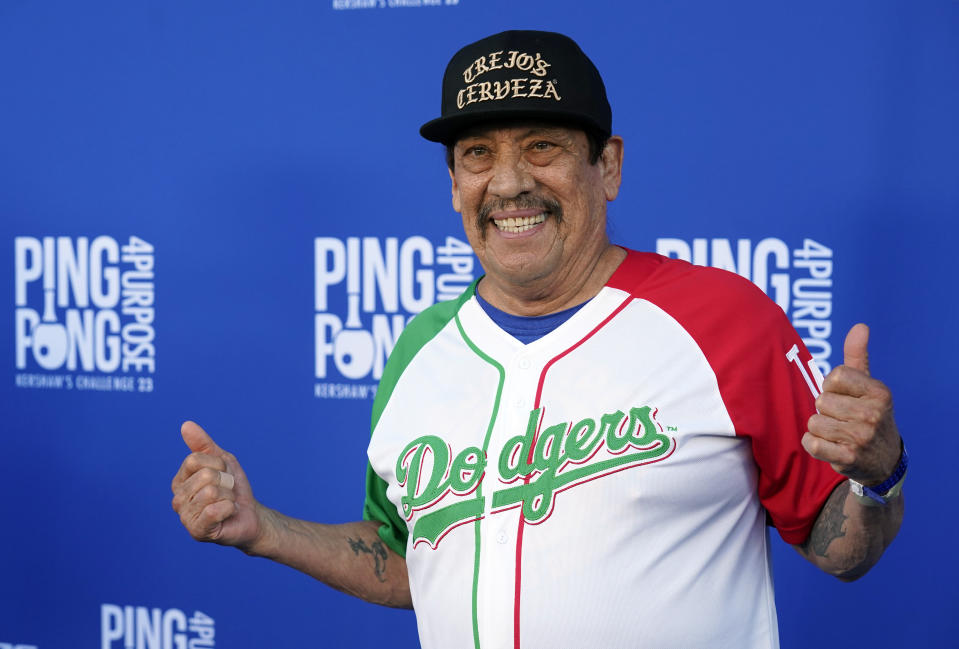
{"type": "Point", "coordinates": [855, 352]}
{"type": "Point", "coordinates": [198, 440]}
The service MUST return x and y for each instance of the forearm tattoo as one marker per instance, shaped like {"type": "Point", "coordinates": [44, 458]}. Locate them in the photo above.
{"type": "Point", "coordinates": [829, 525]}
{"type": "Point", "coordinates": [378, 550]}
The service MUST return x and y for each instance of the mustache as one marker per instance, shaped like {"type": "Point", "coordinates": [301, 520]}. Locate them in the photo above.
{"type": "Point", "coordinates": [520, 203]}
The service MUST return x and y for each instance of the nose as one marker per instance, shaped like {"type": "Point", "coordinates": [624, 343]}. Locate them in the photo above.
{"type": "Point", "coordinates": [511, 176]}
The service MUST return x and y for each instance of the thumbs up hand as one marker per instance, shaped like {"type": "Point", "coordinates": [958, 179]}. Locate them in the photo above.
{"type": "Point", "coordinates": [854, 429]}
{"type": "Point", "coordinates": [212, 494]}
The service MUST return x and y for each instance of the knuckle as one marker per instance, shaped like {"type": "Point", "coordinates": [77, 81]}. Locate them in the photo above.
{"type": "Point", "coordinates": [190, 526]}
{"type": "Point", "coordinates": [816, 422]}
{"type": "Point", "coordinates": [872, 416]}
{"type": "Point", "coordinates": [832, 380]}
{"type": "Point", "coordinates": [200, 462]}
{"type": "Point", "coordinates": [209, 493]}
{"type": "Point", "coordinates": [208, 475]}
{"type": "Point", "coordinates": [843, 373]}
{"type": "Point", "coordinates": [201, 528]}
{"type": "Point", "coordinates": [825, 402]}
{"type": "Point", "coordinates": [192, 463]}
{"type": "Point", "coordinates": [884, 396]}
{"type": "Point", "coordinates": [204, 517]}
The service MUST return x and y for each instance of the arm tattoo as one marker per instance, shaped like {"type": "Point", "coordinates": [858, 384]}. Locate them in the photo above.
{"type": "Point", "coordinates": [378, 551]}
{"type": "Point", "coordinates": [829, 525]}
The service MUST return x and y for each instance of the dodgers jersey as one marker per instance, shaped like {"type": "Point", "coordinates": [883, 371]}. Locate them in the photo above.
{"type": "Point", "coordinates": [607, 485]}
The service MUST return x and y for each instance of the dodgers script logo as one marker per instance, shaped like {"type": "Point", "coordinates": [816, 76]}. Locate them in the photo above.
{"type": "Point", "coordinates": [84, 313]}
{"type": "Point", "coordinates": [538, 464]}
{"type": "Point", "coordinates": [799, 280]}
{"type": "Point", "coordinates": [366, 290]}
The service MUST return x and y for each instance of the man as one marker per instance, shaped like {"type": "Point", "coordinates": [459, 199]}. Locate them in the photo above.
{"type": "Point", "coordinates": [584, 449]}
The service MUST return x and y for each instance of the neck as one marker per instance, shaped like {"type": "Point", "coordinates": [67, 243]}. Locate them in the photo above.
{"type": "Point", "coordinates": [553, 294]}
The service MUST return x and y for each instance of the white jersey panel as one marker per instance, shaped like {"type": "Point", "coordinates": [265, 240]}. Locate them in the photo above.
{"type": "Point", "coordinates": [591, 488]}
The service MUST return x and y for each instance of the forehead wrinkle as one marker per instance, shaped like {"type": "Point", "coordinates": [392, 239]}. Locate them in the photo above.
{"type": "Point", "coordinates": [488, 132]}
{"type": "Point", "coordinates": [557, 132]}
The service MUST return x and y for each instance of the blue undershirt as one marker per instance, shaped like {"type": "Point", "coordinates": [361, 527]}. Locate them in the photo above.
{"type": "Point", "coordinates": [526, 329]}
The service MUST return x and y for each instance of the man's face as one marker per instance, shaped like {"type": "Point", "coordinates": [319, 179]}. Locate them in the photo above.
{"type": "Point", "coordinates": [533, 207]}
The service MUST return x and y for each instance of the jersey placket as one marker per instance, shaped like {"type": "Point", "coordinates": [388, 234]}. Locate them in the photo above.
{"type": "Point", "coordinates": [498, 528]}
{"type": "Point", "coordinates": [501, 579]}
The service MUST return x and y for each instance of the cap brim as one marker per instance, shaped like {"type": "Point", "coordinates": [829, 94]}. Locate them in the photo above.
{"type": "Point", "coordinates": [446, 130]}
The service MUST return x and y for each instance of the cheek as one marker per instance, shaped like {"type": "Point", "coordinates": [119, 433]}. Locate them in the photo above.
{"type": "Point", "coordinates": [473, 235]}
{"type": "Point", "coordinates": [467, 191]}
{"type": "Point", "coordinates": [588, 206]}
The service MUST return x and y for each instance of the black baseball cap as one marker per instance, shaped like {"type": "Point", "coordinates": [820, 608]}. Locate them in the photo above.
{"type": "Point", "coordinates": [520, 74]}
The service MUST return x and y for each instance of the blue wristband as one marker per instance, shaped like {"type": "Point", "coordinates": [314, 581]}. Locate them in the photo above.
{"type": "Point", "coordinates": [881, 492]}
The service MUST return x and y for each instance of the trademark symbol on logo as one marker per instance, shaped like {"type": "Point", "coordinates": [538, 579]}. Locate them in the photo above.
{"type": "Point", "coordinates": [671, 428]}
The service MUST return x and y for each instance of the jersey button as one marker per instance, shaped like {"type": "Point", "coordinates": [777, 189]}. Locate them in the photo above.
{"type": "Point", "coordinates": [502, 538]}
{"type": "Point", "coordinates": [523, 363]}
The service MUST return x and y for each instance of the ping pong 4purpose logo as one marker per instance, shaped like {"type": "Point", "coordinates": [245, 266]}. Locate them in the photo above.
{"type": "Point", "coordinates": [84, 312]}
{"type": "Point", "coordinates": [140, 627]}
{"type": "Point", "coordinates": [366, 290]}
{"type": "Point", "coordinates": [532, 468]}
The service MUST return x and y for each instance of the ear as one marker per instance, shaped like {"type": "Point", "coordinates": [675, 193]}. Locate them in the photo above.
{"type": "Point", "coordinates": [457, 204]}
{"type": "Point", "coordinates": [611, 161]}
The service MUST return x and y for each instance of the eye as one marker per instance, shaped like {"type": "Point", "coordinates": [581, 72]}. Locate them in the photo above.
{"type": "Point", "coordinates": [476, 158]}
{"type": "Point", "coordinates": [542, 152]}
{"type": "Point", "coordinates": [476, 151]}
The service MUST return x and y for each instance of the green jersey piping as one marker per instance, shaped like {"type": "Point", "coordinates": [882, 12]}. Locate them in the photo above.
{"type": "Point", "coordinates": [418, 333]}
{"type": "Point", "coordinates": [479, 488]}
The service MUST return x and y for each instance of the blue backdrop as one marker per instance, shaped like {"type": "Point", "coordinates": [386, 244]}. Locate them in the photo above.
{"type": "Point", "coordinates": [223, 211]}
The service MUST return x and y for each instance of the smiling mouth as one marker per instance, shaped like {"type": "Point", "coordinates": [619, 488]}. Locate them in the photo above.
{"type": "Point", "coordinates": [516, 225]}
{"type": "Point", "coordinates": [528, 212]}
